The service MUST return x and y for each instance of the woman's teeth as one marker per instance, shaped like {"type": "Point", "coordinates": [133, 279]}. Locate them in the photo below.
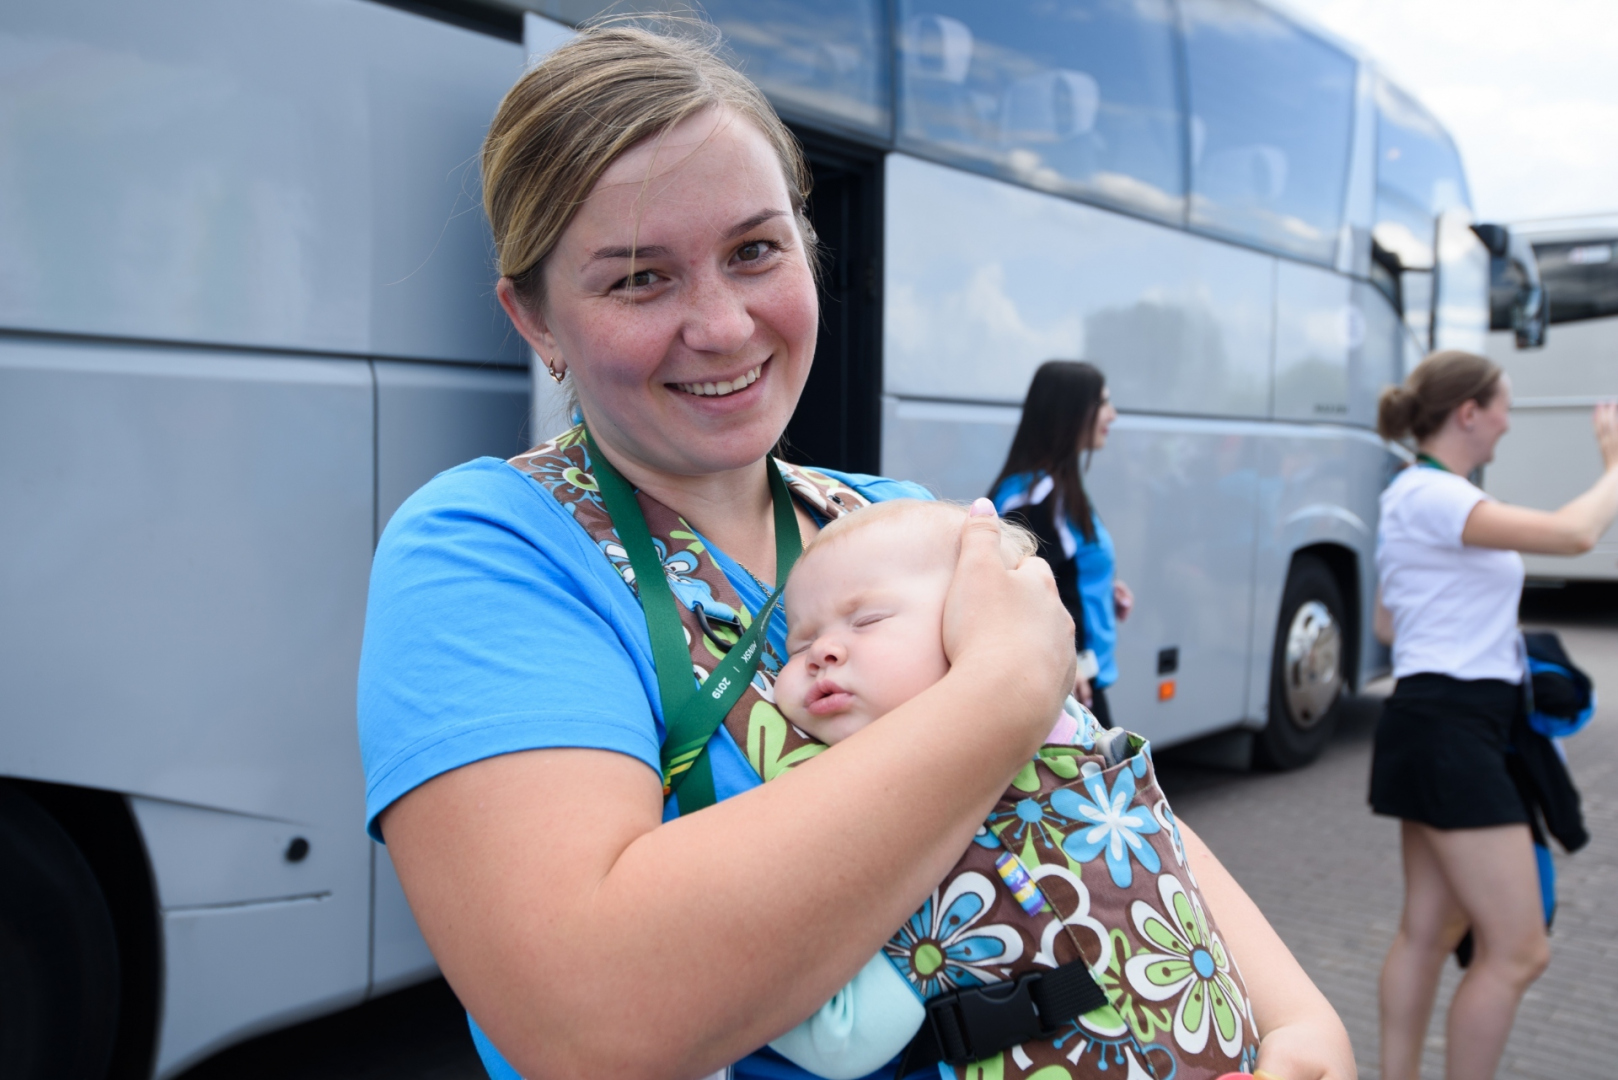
{"type": "Point", "coordinates": [720, 389]}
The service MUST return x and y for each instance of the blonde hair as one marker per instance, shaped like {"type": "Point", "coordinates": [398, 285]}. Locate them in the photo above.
{"type": "Point", "coordinates": [942, 519]}
{"type": "Point", "coordinates": [1439, 385]}
{"type": "Point", "coordinates": [607, 90]}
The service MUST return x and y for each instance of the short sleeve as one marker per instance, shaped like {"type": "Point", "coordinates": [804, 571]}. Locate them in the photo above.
{"type": "Point", "coordinates": [1436, 513]}
{"type": "Point", "coordinates": [493, 626]}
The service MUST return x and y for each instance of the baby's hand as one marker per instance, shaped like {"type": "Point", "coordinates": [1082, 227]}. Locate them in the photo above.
{"type": "Point", "coordinates": [1295, 1052]}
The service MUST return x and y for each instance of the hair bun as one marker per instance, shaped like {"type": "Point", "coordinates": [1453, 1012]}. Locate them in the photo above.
{"type": "Point", "coordinates": [1395, 412]}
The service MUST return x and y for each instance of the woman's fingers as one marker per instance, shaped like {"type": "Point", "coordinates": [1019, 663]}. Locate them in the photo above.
{"type": "Point", "coordinates": [1605, 421]}
{"type": "Point", "coordinates": [1008, 623]}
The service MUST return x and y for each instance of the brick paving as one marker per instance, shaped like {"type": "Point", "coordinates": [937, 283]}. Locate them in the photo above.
{"type": "Point", "coordinates": [1326, 871]}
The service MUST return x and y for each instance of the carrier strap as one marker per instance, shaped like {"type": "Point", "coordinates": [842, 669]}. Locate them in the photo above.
{"type": "Point", "coordinates": [691, 715]}
{"type": "Point", "coordinates": [976, 1022]}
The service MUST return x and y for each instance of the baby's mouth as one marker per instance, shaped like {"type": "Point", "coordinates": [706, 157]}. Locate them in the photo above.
{"type": "Point", "coordinates": [826, 698]}
{"type": "Point", "coordinates": [721, 388]}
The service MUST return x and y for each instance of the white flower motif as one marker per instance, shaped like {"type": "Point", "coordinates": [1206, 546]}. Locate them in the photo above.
{"type": "Point", "coordinates": [1192, 966]}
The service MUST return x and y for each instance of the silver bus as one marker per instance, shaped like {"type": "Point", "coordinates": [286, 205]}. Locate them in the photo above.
{"type": "Point", "coordinates": [1550, 456]}
{"type": "Point", "coordinates": [246, 307]}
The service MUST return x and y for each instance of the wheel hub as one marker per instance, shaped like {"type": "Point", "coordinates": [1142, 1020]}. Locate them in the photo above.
{"type": "Point", "coordinates": [1313, 672]}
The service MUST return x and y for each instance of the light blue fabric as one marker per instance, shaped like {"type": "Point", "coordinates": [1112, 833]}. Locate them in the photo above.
{"type": "Point", "coordinates": [1097, 566]}
{"type": "Point", "coordinates": [865, 1025]}
{"type": "Point", "coordinates": [496, 625]}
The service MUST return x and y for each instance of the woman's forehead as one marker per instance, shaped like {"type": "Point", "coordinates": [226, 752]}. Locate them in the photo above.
{"type": "Point", "coordinates": [707, 160]}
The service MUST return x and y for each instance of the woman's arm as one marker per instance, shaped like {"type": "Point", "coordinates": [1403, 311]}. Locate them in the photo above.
{"type": "Point", "coordinates": [588, 939]}
{"type": "Point", "coordinates": [1301, 1037]}
{"type": "Point", "coordinates": [1572, 530]}
{"type": "Point", "coordinates": [1382, 620]}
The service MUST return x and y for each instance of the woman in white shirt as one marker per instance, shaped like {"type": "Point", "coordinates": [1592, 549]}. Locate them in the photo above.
{"type": "Point", "coordinates": [1451, 578]}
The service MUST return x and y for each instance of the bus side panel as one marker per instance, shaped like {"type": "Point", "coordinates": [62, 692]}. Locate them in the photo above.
{"type": "Point", "coordinates": [188, 537]}
{"type": "Point", "coordinates": [294, 174]}
{"type": "Point", "coordinates": [1550, 454]}
{"type": "Point", "coordinates": [430, 417]}
{"type": "Point", "coordinates": [1321, 487]}
{"type": "Point", "coordinates": [1178, 496]}
{"type": "Point", "coordinates": [986, 280]}
{"type": "Point", "coordinates": [258, 928]}
{"type": "Point", "coordinates": [1314, 329]}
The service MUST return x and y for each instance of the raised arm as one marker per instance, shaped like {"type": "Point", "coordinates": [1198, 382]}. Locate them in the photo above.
{"type": "Point", "coordinates": [588, 939]}
{"type": "Point", "coordinates": [1301, 1037]}
{"type": "Point", "coordinates": [1572, 530]}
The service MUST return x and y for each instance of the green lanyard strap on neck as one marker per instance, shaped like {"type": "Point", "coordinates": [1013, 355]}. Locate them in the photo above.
{"type": "Point", "coordinates": [691, 714]}
{"type": "Point", "coordinates": [1432, 463]}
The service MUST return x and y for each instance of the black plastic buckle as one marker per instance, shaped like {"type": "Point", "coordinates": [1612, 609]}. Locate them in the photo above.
{"type": "Point", "coordinates": [976, 1021]}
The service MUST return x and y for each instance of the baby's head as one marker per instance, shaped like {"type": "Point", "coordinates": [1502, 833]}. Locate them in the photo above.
{"type": "Point", "coordinates": [865, 612]}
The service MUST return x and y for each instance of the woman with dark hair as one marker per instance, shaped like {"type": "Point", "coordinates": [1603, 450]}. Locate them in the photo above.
{"type": "Point", "coordinates": [1066, 415]}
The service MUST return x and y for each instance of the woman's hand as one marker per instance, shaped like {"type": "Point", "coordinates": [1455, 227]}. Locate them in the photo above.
{"type": "Point", "coordinates": [1007, 628]}
{"type": "Point", "coordinates": [1122, 600]}
{"type": "Point", "coordinates": [1604, 419]}
{"type": "Point", "coordinates": [1081, 690]}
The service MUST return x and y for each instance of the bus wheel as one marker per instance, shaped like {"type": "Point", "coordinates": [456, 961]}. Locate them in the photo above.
{"type": "Point", "coordinates": [1306, 668]}
{"type": "Point", "coordinates": [58, 955]}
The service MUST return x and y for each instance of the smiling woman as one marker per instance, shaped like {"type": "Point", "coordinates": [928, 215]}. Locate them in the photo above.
{"type": "Point", "coordinates": [588, 847]}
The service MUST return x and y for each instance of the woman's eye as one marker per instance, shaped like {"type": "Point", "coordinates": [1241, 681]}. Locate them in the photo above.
{"type": "Point", "coordinates": [754, 250]}
{"type": "Point", "coordinates": [640, 279]}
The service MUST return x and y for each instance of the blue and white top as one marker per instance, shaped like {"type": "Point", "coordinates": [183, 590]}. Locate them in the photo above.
{"type": "Point", "coordinates": [1094, 560]}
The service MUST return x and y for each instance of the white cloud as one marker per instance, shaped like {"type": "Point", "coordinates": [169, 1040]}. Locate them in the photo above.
{"type": "Point", "coordinates": [1530, 92]}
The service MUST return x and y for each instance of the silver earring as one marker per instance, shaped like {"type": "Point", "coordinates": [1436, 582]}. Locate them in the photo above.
{"type": "Point", "coordinates": [558, 376]}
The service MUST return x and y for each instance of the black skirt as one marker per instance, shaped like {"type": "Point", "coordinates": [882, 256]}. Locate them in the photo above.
{"type": "Point", "coordinates": [1440, 755]}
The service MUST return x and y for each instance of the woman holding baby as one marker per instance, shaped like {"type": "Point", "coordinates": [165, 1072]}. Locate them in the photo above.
{"type": "Point", "coordinates": [648, 211]}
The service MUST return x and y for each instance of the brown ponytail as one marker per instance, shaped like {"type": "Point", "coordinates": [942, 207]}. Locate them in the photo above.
{"type": "Point", "coordinates": [1439, 385]}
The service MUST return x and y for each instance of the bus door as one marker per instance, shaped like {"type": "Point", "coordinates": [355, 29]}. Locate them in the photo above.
{"type": "Point", "coordinates": [837, 424]}
{"type": "Point", "coordinates": [1460, 318]}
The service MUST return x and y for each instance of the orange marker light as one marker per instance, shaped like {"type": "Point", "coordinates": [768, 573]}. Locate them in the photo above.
{"type": "Point", "coordinates": [1165, 690]}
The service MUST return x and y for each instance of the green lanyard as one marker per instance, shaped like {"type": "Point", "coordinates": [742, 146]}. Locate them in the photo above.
{"type": "Point", "coordinates": [691, 714]}
{"type": "Point", "coordinates": [1432, 462]}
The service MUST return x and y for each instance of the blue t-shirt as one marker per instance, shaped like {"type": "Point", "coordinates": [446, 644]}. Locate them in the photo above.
{"type": "Point", "coordinates": [1096, 570]}
{"type": "Point", "coordinates": [495, 625]}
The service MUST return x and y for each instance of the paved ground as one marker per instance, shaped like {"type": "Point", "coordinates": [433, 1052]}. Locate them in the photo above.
{"type": "Point", "coordinates": [1304, 844]}
{"type": "Point", "coordinates": [1327, 873]}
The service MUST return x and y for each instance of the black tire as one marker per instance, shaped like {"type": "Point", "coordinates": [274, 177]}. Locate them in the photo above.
{"type": "Point", "coordinates": [1306, 691]}
{"type": "Point", "coordinates": [58, 954]}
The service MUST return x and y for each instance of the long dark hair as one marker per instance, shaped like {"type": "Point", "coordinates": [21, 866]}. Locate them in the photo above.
{"type": "Point", "coordinates": [1057, 418]}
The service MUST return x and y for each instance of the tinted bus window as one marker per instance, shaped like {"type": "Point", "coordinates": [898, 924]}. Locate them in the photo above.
{"type": "Point", "coordinates": [1271, 116]}
{"type": "Point", "coordinates": [1580, 278]}
{"type": "Point", "coordinates": [1073, 96]}
{"type": "Point", "coordinates": [828, 57]}
{"type": "Point", "coordinates": [1418, 177]}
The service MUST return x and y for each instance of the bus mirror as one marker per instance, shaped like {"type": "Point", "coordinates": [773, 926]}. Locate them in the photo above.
{"type": "Point", "coordinates": [1530, 309]}
{"type": "Point", "coordinates": [1528, 317]}
{"type": "Point", "coordinates": [1495, 237]}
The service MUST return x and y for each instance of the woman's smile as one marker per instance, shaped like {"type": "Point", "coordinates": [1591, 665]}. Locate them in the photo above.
{"type": "Point", "coordinates": [722, 387]}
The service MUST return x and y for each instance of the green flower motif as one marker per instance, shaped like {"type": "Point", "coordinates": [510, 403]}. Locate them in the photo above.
{"type": "Point", "coordinates": [1192, 967]}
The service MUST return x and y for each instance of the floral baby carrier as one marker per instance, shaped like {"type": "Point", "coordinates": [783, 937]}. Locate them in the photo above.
{"type": "Point", "coordinates": [1070, 941]}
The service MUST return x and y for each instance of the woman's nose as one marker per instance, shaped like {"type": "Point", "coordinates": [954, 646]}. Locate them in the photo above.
{"type": "Point", "coordinates": [717, 320]}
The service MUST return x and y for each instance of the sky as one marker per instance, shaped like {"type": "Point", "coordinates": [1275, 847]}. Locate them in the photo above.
{"type": "Point", "coordinates": [1529, 91]}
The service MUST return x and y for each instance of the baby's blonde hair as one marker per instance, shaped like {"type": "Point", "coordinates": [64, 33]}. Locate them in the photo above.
{"type": "Point", "coordinates": [942, 518]}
